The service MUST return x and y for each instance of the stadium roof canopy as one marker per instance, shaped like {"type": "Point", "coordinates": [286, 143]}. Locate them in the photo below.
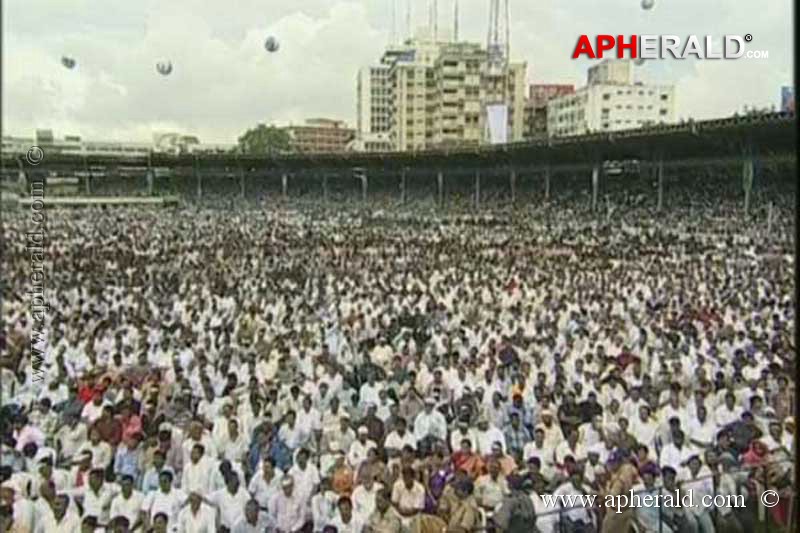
{"type": "Point", "coordinates": [766, 135]}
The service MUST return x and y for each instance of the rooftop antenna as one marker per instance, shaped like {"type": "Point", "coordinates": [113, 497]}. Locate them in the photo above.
{"type": "Point", "coordinates": [408, 19]}
{"type": "Point", "coordinates": [435, 20]}
{"type": "Point", "coordinates": [394, 22]}
{"type": "Point", "coordinates": [455, 22]}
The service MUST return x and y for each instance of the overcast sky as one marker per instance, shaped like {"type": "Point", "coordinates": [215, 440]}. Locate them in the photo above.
{"type": "Point", "coordinates": [224, 81]}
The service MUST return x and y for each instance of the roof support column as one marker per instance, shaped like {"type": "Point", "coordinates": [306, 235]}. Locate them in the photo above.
{"type": "Point", "coordinates": [364, 187]}
{"type": "Point", "coordinates": [547, 184]}
{"type": "Point", "coordinates": [403, 187]}
{"type": "Point", "coordinates": [198, 178]}
{"type": "Point", "coordinates": [87, 185]}
{"type": "Point", "coordinates": [440, 189]}
{"type": "Point", "coordinates": [325, 188]}
{"type": "Point", "coordinates": [660, 176]}
{"type": "Point", "coordinates": [513, 184]}
{"type": "Point", "coordinates": [242, 191]}
{"type": "Point", "coordinates": [477, 190]}
{"type": "Point", "coordinates": [595, 185]}
{"type": "Point", "coordinates": [284, 186]}
{"type": "Point", "coordinates": [748, 171]}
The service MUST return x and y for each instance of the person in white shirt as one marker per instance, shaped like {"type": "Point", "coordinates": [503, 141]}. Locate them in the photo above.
{"type": "Point", "coordinates": [577, 519]}
{"type": "Point", "coordinates": [701, 430]}
{"type": "Point", "coordinates": [430, 424]}
{"type": "Point", "coordinates": [230, 501]}
{"type": "Point", "coordinates": [399, 439]}
{"type": "Point", "coordinates": [197, 473]}
{"type": "Point", "coordinates": [487, 435]}
{"type": "Point", "coordinates": [727, 413]}
{"type": "Point", "coordinates": [360, 448]}
{"type": "Point", "coordinates": [287, 509]}
{"type": "Point", "coordinates": [63, 519]}
{"type": "Point", "coordinates": [97, 496]}
{"type": "Point", "coordinates": [128, 502]}
{"type": "Point", "coordinates": [101, 451]}
{"type": "Point", "coordinates": [166, 500]}
{"type": "Point", "coordinates": [363, 498]}
{"type": "Point", "coordinates": [198, 517]}
{"type": "Point", "coordinates": [253, 521]}
{"type": "Point", "coordinates": [266, 483]}
{"type": "Point", "coordinates": [676, 453]}
{"type": "Point", "coordinates": [408, 496]}
{"type": "Point", "coordinates": [344, 521]}
{"type": "Point", "coordinates": [305, 477]}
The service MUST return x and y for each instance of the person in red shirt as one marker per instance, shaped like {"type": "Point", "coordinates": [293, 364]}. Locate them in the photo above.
{"type": "Point", "coordinates": [109, 428]}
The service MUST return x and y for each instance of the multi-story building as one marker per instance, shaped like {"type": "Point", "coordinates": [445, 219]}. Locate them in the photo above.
{"type": "Point", "coordinates": [374, 112]}
{"type": "Point", "coordinates": [435, 94]}
{"type": "Point", "coordinates": [320, 135]}
{"type": "Point", "coordinates": [609, 102]}
{"type": "Point", "coordinates": [536, 107]}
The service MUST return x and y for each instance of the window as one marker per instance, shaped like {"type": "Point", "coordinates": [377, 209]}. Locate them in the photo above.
{"type": "Point", "coordinates": [664, 97]}
{"type": "Point", "coordinates": [606, 96]}
{"type": "Point", "coordinates": [663, 112]}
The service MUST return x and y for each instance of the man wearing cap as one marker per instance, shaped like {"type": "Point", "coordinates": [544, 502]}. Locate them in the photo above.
{"type": "Point", "coordinates": [22, 513]}
{"type": "Point", "coordinates": [462, 432]}
{"type": "Point", "coordinates": [287, 509]}
{"type": "Point", "coordinates": [197, 517]}
{"type": "Point", "coordinates": [487, 435]}
{"type": "Point", "coordinates": [359, 450]}
{"type": "Point", "coordinates": [399, 439]}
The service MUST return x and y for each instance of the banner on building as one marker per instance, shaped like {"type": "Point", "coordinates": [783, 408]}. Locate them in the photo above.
{"type": "Point", "coordinates": [497, 123]}
{"type": "Point", "coordinates": [787, 99]}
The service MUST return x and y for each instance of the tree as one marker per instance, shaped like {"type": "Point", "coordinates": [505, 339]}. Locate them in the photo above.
{"type": "Point", "coordinates": [264, 140]}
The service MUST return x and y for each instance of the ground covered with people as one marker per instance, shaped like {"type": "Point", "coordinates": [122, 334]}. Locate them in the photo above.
{"type": "Point", "coordinates": [333, 371]}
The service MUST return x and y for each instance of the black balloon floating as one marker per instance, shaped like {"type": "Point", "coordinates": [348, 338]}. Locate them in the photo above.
{"type": "Point", "coordinates": [164, 68]}
{"type": "Point", "coordinates": [271, 44]}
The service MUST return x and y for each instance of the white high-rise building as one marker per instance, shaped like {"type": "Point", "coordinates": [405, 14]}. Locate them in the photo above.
{"type": "Point", "coordinates": [610, 101]}
{"type": "Point", "coordinates": [435, 93]}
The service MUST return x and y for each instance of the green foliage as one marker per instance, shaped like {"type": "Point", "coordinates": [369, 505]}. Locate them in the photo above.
{"type": "Point", "coordinates": [263, 140]}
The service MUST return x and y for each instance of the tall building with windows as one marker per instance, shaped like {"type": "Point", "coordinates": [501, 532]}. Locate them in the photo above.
{"type": "Point", "coordinates": [434, 94]}
{"type": "Point", "coordinates": [610, 101]}
{"type": "Point", "coordinates": [320, 135]}
{"type": "Point", "coordinates": [536, 107]}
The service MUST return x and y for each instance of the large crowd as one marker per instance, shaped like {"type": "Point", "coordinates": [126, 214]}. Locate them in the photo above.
{"type": "Point", "coordinates": [259, 370]}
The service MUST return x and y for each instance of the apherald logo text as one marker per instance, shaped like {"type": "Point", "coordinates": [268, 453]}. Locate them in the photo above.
{"type": "Point", "coordinates": [663, 46]}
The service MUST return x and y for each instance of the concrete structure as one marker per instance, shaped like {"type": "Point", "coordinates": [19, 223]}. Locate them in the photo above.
{"type": "Point", "coordinates": [667, 152]}
{"type": "Point", "coordinates": [320, 135]}
{"type": "Point", "coordinates": [374, 109]}
{"type": "Point", "coordinates": [535, 120]}
{"type": "Point", "coordinates": [434, 94]}
{"type": "Point", "coordinates": [610, 102]}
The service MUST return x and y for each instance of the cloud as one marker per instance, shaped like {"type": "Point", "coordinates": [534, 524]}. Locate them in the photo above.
{"type": "Point", "coordinates": [224, 81]}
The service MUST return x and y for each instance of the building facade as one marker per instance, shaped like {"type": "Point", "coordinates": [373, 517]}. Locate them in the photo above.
{"type": "Point", "coordinates": [434, 94]}
{"type": "Point", "coordinates": [320, 135]}
{"type": "Point", "coordinates": [609, 102]}
{"type": "Point", "coordinates": [539, 95]}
